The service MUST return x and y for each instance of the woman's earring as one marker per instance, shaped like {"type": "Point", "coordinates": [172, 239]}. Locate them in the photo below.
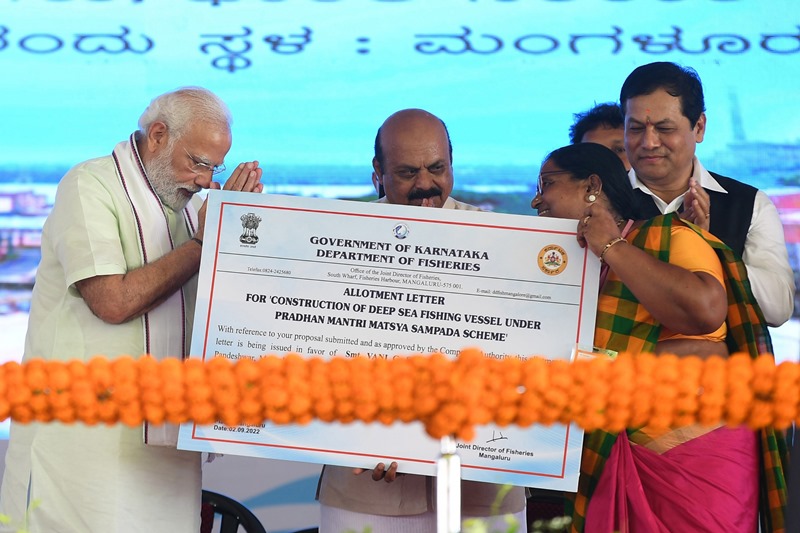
{"type": "Point", "coordinates": [591, 198]}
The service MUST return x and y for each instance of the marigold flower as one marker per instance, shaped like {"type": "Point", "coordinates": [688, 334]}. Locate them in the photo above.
{"type": "Point", "coordinates": [447, 396]}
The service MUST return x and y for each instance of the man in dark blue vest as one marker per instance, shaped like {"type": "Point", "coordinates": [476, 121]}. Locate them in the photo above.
{"type": "Point", "coordinates": [663, 107]}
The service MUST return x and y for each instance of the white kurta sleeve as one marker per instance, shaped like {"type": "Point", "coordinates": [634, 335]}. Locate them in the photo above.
{"type": "Point", "coordinates": [767, 262]}
{"type": "Point", "coordinates": [84, 227]}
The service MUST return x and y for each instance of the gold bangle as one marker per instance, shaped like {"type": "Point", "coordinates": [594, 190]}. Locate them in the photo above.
{"type": "Point", "coordinates": [611, 243]}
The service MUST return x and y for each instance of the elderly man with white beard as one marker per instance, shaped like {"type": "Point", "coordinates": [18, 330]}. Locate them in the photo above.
{"type": "Point", "coordinates": [120, 254]}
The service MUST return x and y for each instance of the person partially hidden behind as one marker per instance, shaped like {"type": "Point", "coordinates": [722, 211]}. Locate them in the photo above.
{"type": "Point", "coordinates": [602, 124]}
{"type": "Point", "coordinates": [687, 478]}
{"type": "Point", "coordinates": [413, 163]}
{"type": "Point", "coordinates": [120, 254]}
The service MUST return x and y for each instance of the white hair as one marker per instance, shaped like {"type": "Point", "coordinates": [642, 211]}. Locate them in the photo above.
{"type": "Point", "coordinates": [182, 107]}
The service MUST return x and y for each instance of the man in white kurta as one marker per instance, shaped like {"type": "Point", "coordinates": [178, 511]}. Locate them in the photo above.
{"type": "Point", "coordinates": [120, 253]}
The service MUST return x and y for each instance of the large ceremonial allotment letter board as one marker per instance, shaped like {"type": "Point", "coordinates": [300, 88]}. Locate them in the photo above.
{"type": "Point", "coordinates": [326, 278]}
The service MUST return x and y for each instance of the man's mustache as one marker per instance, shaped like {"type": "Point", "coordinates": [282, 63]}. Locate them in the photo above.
{"type": "Point", "coordinates": [420, 194]}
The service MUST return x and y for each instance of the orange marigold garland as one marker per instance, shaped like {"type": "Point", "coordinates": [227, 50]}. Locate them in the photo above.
{"type": "Point", "coordinates": [19, 394]}
{"type": "Point", "coordinates": [533, 383]}
{"type": "Point", "coordinates": [363, 392]}
{"type": "Point", "coordinates": [82, 393]}
{"type": "Point", "coordinates": [509, 393]}
{"type": "Point", "coordinates": [761, 412]}
{"type": "Point", "coordinates": [687, 398]}
{"type": "Point", "coordinates": [578, 393]}
{"type": "Point", "coordinates": [273, 388]}
{"type": "Point", "coordinates": [739, 389]}
{"type": "Point", "coordinates": [664, 392]}
{"type": "Point", "coordinates": [449, 397]}
{"type": "Point", "coordinates": [622, 387]}
{"type": "Point", "coordinates": [556, 392]}
{"type": "Point", "coordinates": [198, 392]}
{"type": "Point", "coordinates": [59, 381]}
{"type": "Point", "coordinates": [787, 390]}
{"type": "Point", "coordinates": [597, 392]}
{"type": "Point", "coordinates": [298, 380]}
{"type": "Point", "coordinates": [713, 384]}
{"type": "Point", "coordinates": [320, 391]}
{"type": "Point", "coordinates": [174, 397]}
{"type": "Point", "coordinates": [101, 373]}
{"type": "Point", "coordinates": [431, 390]}
{"type": "Point", "coordinates": [5, 408]}
{"type": "Point", "coordinates": [152, 398]}
{"type": "Point", "coordinates": [36, 380]}
{"type": "Point", "coordinates": [126, 390]}
{"type": "Point", "coordinates": [645, 370]}
{"type": "Point", "coordinates": [226, 393]}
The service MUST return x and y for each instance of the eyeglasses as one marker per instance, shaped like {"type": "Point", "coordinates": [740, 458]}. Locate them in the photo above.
{"type": "Point", "coordinates": [539, 186]}
{"type": "Point", "coordinates": [201, 166]}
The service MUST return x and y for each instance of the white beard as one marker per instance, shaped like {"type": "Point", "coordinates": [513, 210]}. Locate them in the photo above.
{"type": "Point", "coordinates": [161, 175]}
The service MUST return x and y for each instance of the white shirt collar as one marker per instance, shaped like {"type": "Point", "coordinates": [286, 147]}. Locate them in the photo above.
{"type": "Point", "coordinates": [450, 203]}
{"type": "Point", "coordinates": [699, 173]}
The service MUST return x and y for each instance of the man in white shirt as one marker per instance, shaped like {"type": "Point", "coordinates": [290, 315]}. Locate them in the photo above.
{"type": "Point", "coordinates": [413, 166]}
{"type": "Point", "coordinates": [663, 107]}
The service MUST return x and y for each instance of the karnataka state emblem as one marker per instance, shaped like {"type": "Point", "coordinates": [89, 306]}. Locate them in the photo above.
{"type": "Point", "coordinates": [552, 260]}
{"type": "Point", "coordinates": [250, 222]}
